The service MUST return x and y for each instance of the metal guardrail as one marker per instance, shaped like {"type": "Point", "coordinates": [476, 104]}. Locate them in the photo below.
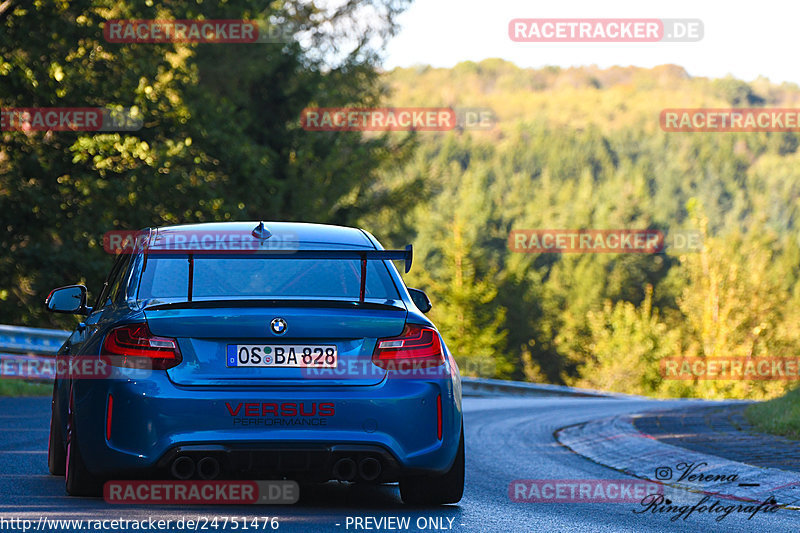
{"type": "Point", "coordinates": [17, 339]}
{"type": "Point", "coordinates": [20, 342]}
{"type": "Point", "coordinates": [492, 387]}
{"type": "Point", "coordinates": [24, 348]}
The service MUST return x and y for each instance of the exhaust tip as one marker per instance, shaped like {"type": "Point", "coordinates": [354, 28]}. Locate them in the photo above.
{"type": "Point", "coordinates": [182, 467]}
{"type": "Point", "coordinates": [208, 468]}
{"type": "Point", "coordinates": [345, 469]}
{"type": "Point", "coordinates": [369, 468]}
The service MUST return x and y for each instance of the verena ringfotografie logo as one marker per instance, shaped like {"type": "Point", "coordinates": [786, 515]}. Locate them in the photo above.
{"type": "Point", "coordinates": [695, 472]}
{"type": "Point", "coordinates": [581, 490]}
{"type": "Point", "coordinates": [196, 31]}
{"type": "Point", "coordinates": [730, 120]}
{"type": "Point", "coordinates": [595, 241]}
{"type": "Point", "coordinates": [731, 368]}
{"type": "Point", "coordinates": [70, 119]}
{"type": "Point", "coordinates": [605, 30]}
{"type": "Point", "coordinates": [396, 118]}
{"type": "Point", "coordinates": [658, 504]}
{"type": "Point", "coordinates": [202, 492]}
{"type": "Point", "coordinates": [651, 498]}
{"type": "Point", "coordinates": [199, 242]}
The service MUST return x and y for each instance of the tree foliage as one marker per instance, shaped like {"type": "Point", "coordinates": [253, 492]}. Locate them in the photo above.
{"type": "Point", "coordinates": [221, 138]}
{"type": "Point", "coordinates": [581, 148]}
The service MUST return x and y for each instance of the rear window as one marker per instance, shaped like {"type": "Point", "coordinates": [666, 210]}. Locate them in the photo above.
{"type": "Point", "coordinates": [244, 278]}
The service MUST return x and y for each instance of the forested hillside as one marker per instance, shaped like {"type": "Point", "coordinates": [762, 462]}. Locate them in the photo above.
{"type": "Point", "coordinates": [582, 148]}
{"type": "Point", "coordinates": [572, 148]}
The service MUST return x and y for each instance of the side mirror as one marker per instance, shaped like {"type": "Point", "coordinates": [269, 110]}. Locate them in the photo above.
{"type": "Point", "coordinates": [420, 299]}
{"type": "Point", "coordinates": [70, 299]}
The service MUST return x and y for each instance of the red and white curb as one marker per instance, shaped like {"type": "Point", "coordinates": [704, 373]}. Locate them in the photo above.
{"type": "Point", "coordinates": [616, 443]}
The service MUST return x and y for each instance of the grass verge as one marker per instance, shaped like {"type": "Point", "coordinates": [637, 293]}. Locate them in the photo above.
{"type": "Point", "coordinates": [18, 387]}
{"type": "Point", "coordinates": [780, 416]}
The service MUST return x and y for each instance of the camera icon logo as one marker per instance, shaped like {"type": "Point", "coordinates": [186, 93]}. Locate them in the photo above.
{"type": "Point", "coordinates": [663, 473]}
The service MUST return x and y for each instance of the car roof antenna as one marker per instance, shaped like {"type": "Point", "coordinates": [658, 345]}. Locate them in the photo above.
{"type": "Point", "coordinates": [261, 233]}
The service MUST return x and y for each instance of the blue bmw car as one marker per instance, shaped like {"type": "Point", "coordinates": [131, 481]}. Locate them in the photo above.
{"type": "Point", "coordinates": [257, 350]}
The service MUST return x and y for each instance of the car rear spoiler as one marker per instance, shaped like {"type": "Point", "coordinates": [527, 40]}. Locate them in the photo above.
{"type": "Point", "coordinates": [363, 255]}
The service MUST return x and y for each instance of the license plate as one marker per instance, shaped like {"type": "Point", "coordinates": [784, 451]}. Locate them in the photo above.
{"type": "Point", "coordinates": [283, 355]}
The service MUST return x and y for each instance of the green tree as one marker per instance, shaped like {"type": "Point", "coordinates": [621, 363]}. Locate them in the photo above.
{"type": "Point", "coordinates": [627, 344]}
{"type": "Point", "coordinates": [221, 137]}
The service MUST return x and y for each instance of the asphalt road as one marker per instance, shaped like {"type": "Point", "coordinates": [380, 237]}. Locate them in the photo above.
{"type": "Point", "coordinates": [506, 439]}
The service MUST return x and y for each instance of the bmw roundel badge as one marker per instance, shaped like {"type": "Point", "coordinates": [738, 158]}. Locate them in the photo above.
{"type": "Point", "coordinates": [278, 326]}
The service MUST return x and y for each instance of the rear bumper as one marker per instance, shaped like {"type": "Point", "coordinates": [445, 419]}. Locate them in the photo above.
{"type": "Point", "coordinates": [299, 461]}
{"type": "Point", "coordinates": [259, 432]}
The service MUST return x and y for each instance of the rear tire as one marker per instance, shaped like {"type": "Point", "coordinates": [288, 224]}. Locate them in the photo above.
{"type": "Point", "coordinates": [56, 454]}
{"type": "Point", "coordinates": [436, 490]}
{"type": "Point", "coordinates": [79, 481]}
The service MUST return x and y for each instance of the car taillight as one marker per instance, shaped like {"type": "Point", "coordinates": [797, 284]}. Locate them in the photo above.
{"type": "Point", "coordinates": [109, 410]}
{"type": "Point", "coordinates": [133, 346]}
{"type": "Point", "coordinates": [439, 417]}
{"type": "Point", "coordinates": [417, 346]}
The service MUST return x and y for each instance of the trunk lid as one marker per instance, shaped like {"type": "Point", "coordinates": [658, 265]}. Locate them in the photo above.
{"type": "Point", "coordinates": [204, 333]}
